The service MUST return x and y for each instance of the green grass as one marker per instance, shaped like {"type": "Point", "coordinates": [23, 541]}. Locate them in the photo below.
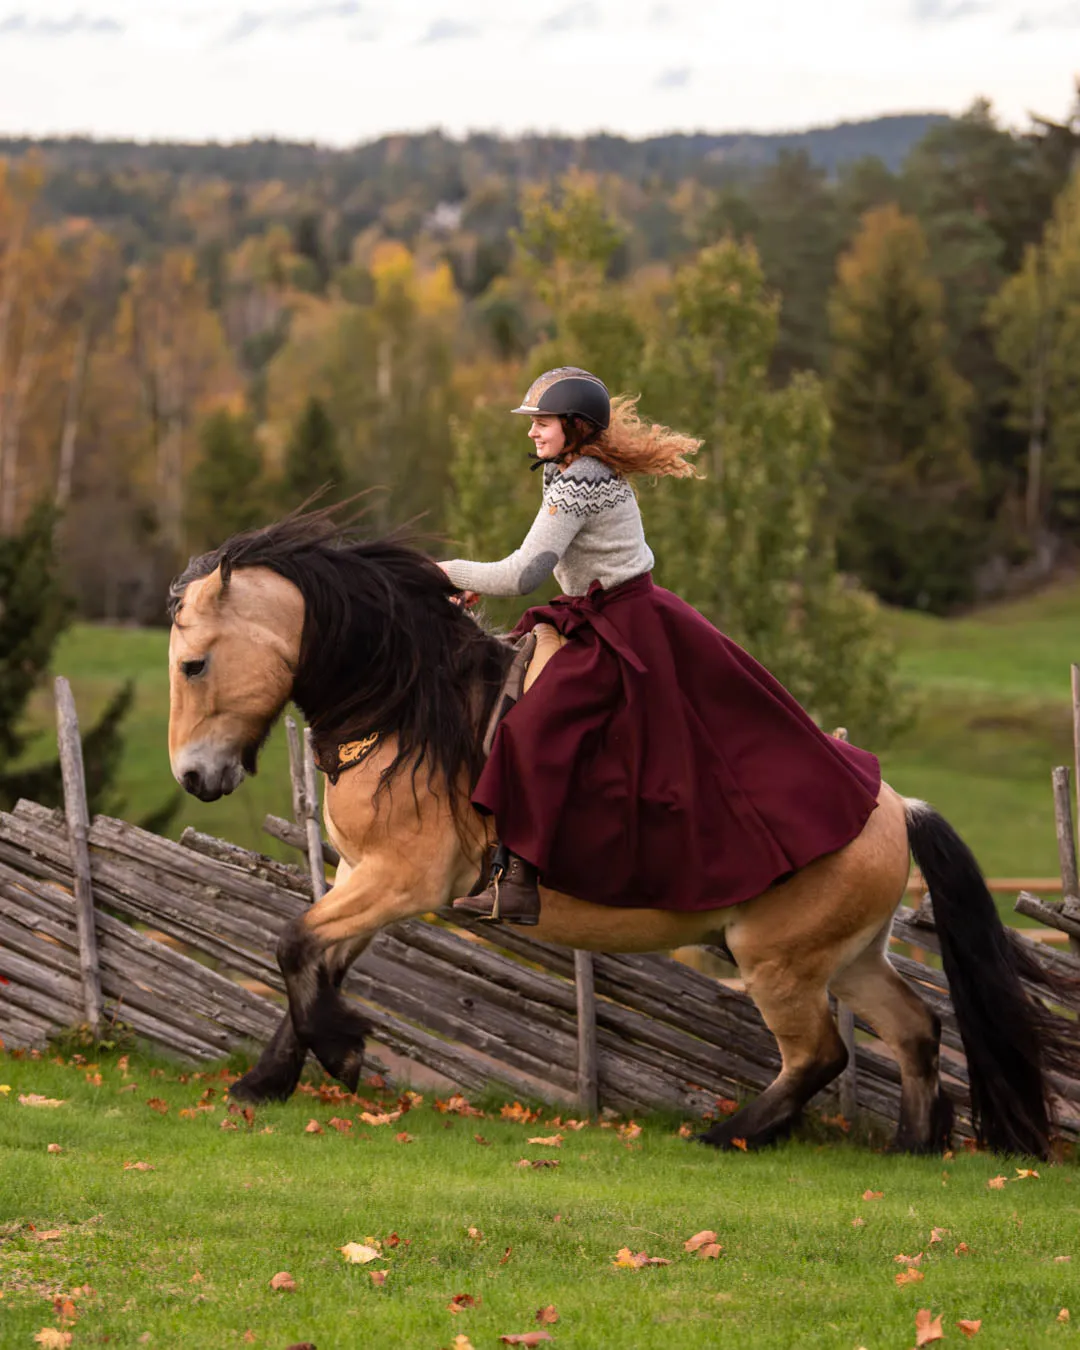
{"type": "Point", "coordinates": [238, 1206]}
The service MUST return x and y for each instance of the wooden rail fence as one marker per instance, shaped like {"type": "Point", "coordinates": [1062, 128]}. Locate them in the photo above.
{"type": "Point", "coordinates": [102, 921]}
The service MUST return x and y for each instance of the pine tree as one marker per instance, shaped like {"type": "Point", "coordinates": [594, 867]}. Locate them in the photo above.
{"type": "Point", "coordinates": [226, 489]}
{"type": "Point", "coordinates": [34, 611]}
{"type": "Point", "coordinates": [907, 489]}
{"type": "Point", "coordinates": [312, 459]}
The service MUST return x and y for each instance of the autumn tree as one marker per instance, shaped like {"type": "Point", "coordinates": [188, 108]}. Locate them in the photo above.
{"type": "Point", "coordinates": [906, 488]}
{"type": "Point", "coordinates": [1036, 323]}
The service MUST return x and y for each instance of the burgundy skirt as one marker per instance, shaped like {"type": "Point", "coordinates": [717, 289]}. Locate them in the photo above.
{"type": "Point", "coordinates": [656, 764]}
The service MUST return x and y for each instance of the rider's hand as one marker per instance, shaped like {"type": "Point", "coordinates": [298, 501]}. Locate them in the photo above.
{"type": "Point", "coordinates": [466, 599]}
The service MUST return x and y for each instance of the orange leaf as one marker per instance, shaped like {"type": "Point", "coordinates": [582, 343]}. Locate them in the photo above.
{"type": "Point", "coordinates": [710, 1251]}
{"type": "Point", "coordinates": [936, 1234]}
{"type": "Point", "coordinates": [228, 1124]}
{"type": "Point", "coordinates": [927, 1328]}
{"type": "Point", "coordinates": [521, 1114]}
{"type": "Point", "coordinates": [248, 1336]}
{"type": "Point", "coordinates": [699, 1240]}
{"type": "Point", "coordinates": [1060, 1260]}
{"type": "Point", "coordinates": [505, 1256]}
{"type": "Point", "coordinates": [342, 1126]}
{"type": "Point", "coordinates": [686, 1130]}
{"type": "Point", "coordinates": [961, 1249]}
{"type": "Point", "coordinates": [394, 1241]}
{"type": "Point", "coordinates": [358, 1253]}
{"type": "Point", "coordinates": [726, 1105]}
{"type": "Point", "coordinates": [547, 1317]}
{"type": "Point", "coordinates": [537, 1162]}
{"type": "Point", "coordinates": [54, 1148]}
{"type": "Point", "coordinates": [549, 1141]}
{"type": "Point", "coordinates": [873, 1195]}
{"type": "Point", "coordinates": [377, 1276]}
{"type": "Point", "coordinates": [49, 1234]}
{"type": "Point", "coordinates": [635, 1260]}
{"type": "Point", "coordinates": [128, 1087]}
{"type": "Point", "coordinates": [283, 1281]}
{"type": "Point", "coordinates": [156, 1104]}
{"type": "Point", "coordinates": [527, 1338]}
{"type": "Point", "coordinates": [462, 1343]}
{"type": "Point", "coordinates": [631, 1130]}
{"type": "Point", "coordinates": [138, 1167]}
{"type": "Point", "coordinates": [36, 1099]}
{"type": "Point", "coordinates": [997, 1183]}
{"type": "Point", "coordinates": [188, 1113]}
{"type": "Point", "coordinates": [460, 1302]}
{"type": "Point", "coordinates": [1063, 1315]}
{"type": "Point", "coordinates": [909, 1276]}
{"type": "Point", "coordinates": [481, 1140]}
{"type": "Point", "coordinates": [94, 1079]}
{"type": "Point", "coordinates": [858, 1223]}
{"type": "Point", "coordinates": [53, 1339]}
{"type": "Point", "coordinates": [476, 1235]}
{"type": "Point", "coordinates": [968, 1327]}
{"type": "Point", "coordinates": [404, 1137]}
{"type": "Point", "coordinates": [908, 1260]}
{"type": "Point", "coordinates": [381, 1118]}
{"type": "Point", "coordinates": [1026, 1174]}
{"type": "Point", "coordinates": [313, 1127]}
{"type": "Point", "coordinates": [739, 1144]}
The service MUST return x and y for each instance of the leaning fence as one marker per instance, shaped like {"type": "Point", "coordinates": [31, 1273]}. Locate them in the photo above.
{"type": "Point", "coordinates": [101, 922]}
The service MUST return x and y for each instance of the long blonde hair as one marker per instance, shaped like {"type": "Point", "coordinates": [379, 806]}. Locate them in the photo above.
{"type": "Point", "coordinates": [630, 446]}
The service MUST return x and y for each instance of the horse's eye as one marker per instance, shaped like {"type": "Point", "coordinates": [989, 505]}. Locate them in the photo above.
{"type": "Point", "coordinates": [189, 669]}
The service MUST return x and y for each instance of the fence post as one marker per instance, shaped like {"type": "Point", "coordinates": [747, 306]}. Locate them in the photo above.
{"type": "Point", "coordinates": [588, 1070]}
{"type": "Point", "coordinates": [78, 829]}
{"type": "Point", "coordinates": [311, 820]}
{"type": "Point", "coordinates": [1071, 902]}
{"type": "Point", "coordinates": [296, 770]}
{"type": "Point", "coordinates": [849, 1079]}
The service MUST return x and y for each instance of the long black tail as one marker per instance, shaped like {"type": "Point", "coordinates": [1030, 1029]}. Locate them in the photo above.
{"type": "Point", "coordinates": [1007, 1035]}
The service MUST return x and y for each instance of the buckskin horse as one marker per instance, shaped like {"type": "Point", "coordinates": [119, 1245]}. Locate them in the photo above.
{"type": "Point", "coordinates": [363, 637]}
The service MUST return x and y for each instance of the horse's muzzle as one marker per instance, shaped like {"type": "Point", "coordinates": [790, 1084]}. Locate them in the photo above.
{"type": "Point", "coordinates": [208, 777]}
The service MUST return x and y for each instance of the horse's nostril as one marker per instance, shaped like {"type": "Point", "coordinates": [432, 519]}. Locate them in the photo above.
{"type": "Point", "coordinates": [192, 782]}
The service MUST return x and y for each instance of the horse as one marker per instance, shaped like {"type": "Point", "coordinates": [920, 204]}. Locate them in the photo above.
{"type": "Point", "coordinates": [362, 636]}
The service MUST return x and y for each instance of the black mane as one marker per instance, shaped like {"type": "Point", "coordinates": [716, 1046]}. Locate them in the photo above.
{"type": "Point", "coordinates": [382, 648]}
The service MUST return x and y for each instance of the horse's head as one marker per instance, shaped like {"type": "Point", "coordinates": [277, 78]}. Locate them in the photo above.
{"type": "Point", "coordinates": [233, 655]}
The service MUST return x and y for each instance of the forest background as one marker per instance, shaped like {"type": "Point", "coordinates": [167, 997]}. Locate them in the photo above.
{"type": "Point", "coordinates": [874, 328]}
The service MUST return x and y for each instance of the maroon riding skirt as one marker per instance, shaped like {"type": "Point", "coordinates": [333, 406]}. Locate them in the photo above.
{"type": "Point", "coordinates": [655, 763]}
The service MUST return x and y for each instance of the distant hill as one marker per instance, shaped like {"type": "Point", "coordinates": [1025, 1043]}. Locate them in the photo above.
{"type": "Point", "coordinates": [705, 155]}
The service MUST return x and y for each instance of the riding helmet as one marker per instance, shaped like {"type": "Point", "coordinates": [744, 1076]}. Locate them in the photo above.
{"type": "Point", "coordinates": [568, 392]}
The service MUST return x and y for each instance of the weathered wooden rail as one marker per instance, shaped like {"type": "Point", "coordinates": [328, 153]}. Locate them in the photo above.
{"type": "Point", "coordinates": [183, 952]}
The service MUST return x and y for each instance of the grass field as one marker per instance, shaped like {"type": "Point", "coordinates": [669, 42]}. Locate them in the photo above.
{"type": "Point", "coordinates": [183, 1254]}
{"type": "Point", "coordinates": [994, 719]}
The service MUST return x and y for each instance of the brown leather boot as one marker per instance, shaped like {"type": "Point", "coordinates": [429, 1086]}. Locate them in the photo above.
{"type": "Point", "coordinates": [511, 896]}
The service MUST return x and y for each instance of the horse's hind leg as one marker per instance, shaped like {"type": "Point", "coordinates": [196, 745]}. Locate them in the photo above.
{"type": "Point", "coordinates": [797, 1012]}
{"type": "Point", "coordinates": [878, 994]}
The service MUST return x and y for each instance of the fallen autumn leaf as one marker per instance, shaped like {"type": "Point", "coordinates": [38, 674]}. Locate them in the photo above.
{"type": "Point", "coordinates": [635, 1260]}
{"type": "Point", "coordinates": [699, 1240]}
{"type": "Point", "coordinates": [54, 1148]}
{"type": "Point", "coordinates": [996, 1183]}
{"type": "Point", "coordinates": [970, 1327]}
{"type": "Point", "coordinates": [547, 1317]}
{"type": "Point", "coordinates": [52, 1339]}
{"type": "Point", "coordinates": [927, 1328]}
{"type": "Point", "coordinates": [377, 1276]}
{"type": "Point", "coordinates": [873, 1195]}
{"type": "Point", "coordinates": [548, 1141]}
{"type": "Point", "coordinates": [462, 1302]}
{"type": "Point", "coordinates": [357, 1254]}
{"type": "Point", "coordinates": [527, 1338]}
{"type": "Point", "coordinates": [36, 1099]}
{"type": "Point", "coordinates": [283, 1282]}
{"type": "Point", "coordinates": [138, 1167]}
{"type": "Point", "coordinates": [909, 1276]}
{"type": "Point", "coordinates": [313, 1127]}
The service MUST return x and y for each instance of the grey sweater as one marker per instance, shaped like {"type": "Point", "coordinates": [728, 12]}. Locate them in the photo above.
{"type": "Point", "coordinates": [588, 529]}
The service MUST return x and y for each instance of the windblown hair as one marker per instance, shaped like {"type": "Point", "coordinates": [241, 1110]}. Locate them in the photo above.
{"type": "Point", "coordinates": [382, 647]}
{"type": "Point", "coordinates": [631, 446]}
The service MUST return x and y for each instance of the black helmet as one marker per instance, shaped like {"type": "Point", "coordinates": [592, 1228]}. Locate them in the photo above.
{"type": "Point", "coordinates": [568, 392]}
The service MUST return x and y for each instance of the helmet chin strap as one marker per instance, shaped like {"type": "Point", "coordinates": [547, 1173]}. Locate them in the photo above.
{"type": "Point", "coordinates": [541, 460]}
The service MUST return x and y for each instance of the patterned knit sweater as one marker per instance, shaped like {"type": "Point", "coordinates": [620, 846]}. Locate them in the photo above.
{"type": "Point", "coordinates": [588, 529]}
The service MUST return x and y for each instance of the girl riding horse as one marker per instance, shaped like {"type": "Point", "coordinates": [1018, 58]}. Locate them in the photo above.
{"type": "Point", "coordinates": [654, 762]}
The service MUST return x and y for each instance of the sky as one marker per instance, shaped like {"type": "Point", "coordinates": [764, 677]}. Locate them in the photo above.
{"type": "Point", "coordinates": [343, 71]}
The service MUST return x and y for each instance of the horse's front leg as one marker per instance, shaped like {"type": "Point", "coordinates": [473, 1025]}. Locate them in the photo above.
{"type": "Point", "coordinates": [317, 948]}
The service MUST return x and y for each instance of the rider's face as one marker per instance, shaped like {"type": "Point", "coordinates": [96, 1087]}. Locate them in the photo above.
{"type": "Point", "coordinates": [546, 433]}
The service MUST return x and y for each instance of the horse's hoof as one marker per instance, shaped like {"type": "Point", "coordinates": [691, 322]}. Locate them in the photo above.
{"type": "Point", "coordinates": [255, 1089]}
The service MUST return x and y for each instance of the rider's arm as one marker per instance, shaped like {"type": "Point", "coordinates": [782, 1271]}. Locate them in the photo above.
{"type": "Point", "coordinates": [527, 567]}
